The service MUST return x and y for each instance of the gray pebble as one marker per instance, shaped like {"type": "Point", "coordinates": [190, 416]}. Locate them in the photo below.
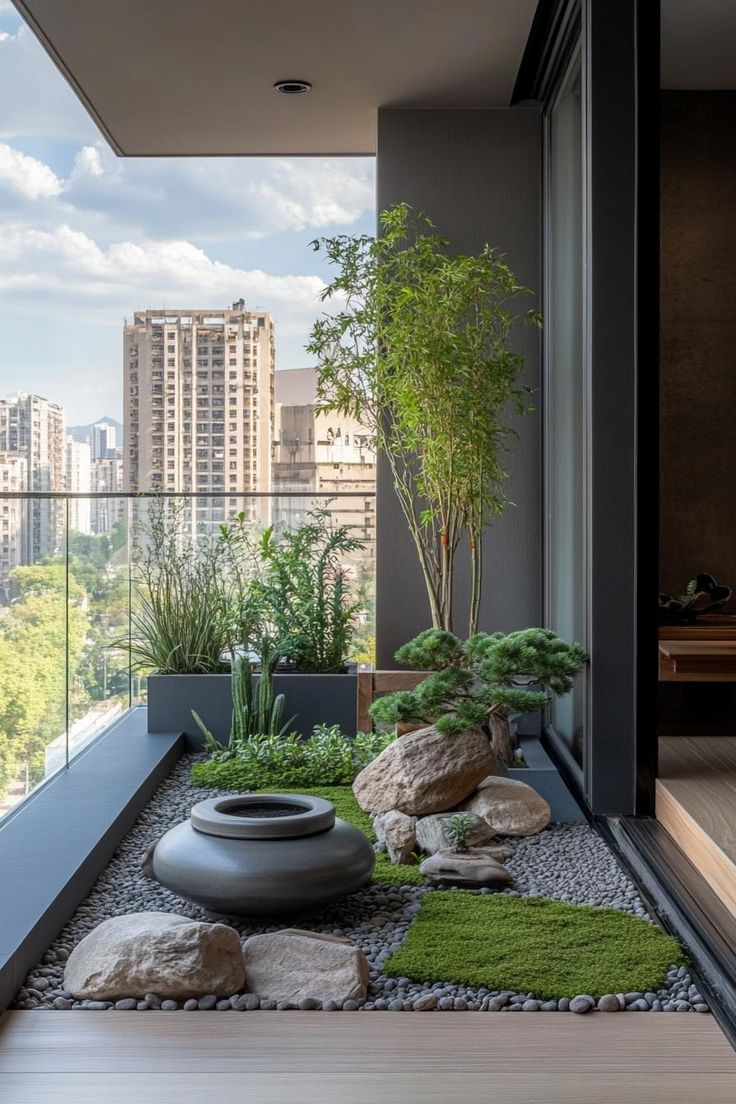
{"type": "Point", "coordinates": [565, 862]}
{"type": "Point", "coordinates": [191, 1005]}
{"type": "Point", "coordinates": [531, 1005]}
{"type": "Point", "coordinates": [204, 1004]}
{"type": "Point", "coordinates": [169, 1006]}
{"type": "Point", "coordinates": [581, 1004]}
{"type": "Point", "coordinates": [609, 1003]}
{"type": "Point", "coordinates": [127, 1004]}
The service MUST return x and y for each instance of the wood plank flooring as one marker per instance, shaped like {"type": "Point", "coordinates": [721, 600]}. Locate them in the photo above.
{"type": "Point", "coordinates": [361, 1058]}
{"type": "Point", "coordinates": [696, 803]}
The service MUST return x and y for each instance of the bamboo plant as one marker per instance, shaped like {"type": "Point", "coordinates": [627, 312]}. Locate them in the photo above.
{"type": "Point", "coordinates": [419, 351]}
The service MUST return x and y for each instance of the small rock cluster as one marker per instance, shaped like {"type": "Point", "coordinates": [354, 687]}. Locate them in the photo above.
{"type": "Point", "coordinates": [564, 862]}
{"type": "Point", "coordinates": [418, 782]}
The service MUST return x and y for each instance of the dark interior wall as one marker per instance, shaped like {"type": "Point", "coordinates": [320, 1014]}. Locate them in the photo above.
{"type": "Point", "coordinates": [698, 337]}
{"type": "Point", "coordinates": [477, 174]}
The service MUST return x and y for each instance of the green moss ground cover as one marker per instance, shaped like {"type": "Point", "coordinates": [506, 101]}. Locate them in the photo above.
{"type": "Point", "coordinates": [347, 808]}
{"type": "Point", "coordinates": [531, 945]}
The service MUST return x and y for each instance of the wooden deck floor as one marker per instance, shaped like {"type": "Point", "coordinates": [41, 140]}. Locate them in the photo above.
{"type": "Point", "coordinates": [349, 1058]}
{"type": "Point", "coordinates": [696, 803]}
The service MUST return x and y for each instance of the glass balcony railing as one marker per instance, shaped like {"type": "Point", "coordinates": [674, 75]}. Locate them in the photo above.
{"type": "Point", "coordinates": [70, 582]}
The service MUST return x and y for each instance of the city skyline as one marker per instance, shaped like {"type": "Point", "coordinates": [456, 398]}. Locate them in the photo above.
{"type": "Point", "coordinates": [86, 238]}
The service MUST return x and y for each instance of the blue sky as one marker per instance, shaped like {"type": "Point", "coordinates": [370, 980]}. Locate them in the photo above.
{"type": "Point", "coordinates": [86, 238]}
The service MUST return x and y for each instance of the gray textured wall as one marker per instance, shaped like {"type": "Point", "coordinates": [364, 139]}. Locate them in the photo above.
{"type": "Point", "coordinates": [477, 174]}
{"type": "Point", "coordinates": [698, 338]}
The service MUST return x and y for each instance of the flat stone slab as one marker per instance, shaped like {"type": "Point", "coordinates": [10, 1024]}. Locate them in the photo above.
{"type": "Point", "coordinates": [292, 965]}
{"type": "Point", "coordinates": [468, 869]}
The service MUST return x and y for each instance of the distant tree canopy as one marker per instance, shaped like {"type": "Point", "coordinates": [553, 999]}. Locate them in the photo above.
{"type": "Point", "coordinates": [33, 649]}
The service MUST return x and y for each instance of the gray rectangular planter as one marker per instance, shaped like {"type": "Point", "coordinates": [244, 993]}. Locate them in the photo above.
{"type": "Point", "coordinates": [310, 699]}
{"type": "Point", "coordinates": [542, 775]}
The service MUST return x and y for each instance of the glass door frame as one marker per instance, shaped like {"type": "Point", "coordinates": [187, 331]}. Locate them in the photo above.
{"type": "Point", "coordinates": [573, 59]}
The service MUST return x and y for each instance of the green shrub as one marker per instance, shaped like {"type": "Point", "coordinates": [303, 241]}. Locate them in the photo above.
{"type": "Point", "coordinates": [327, 758]}
{"type": "Point", "coordinates": [307, 594]}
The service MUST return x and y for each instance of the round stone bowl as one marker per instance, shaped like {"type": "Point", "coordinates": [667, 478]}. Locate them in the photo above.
{"type": "Point", "coordinates": [261, 855]}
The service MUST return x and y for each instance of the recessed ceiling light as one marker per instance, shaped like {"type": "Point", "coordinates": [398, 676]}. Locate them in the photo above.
{"type": "Point", "coordinates": [293, 87]}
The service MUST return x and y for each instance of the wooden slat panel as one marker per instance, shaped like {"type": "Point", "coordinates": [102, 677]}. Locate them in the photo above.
{"type": "Point", "coordinates": [365, 700]}
{"type": "Point", "coordinates": [389, 681]}
{"type": "Point", "coordinates": [279, 1058]}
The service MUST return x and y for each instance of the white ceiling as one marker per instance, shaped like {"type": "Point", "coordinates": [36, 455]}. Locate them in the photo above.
{"type": "Point", "coordinates": [188, 77]}
{"type": "Point", "coordinates": [699, 44]}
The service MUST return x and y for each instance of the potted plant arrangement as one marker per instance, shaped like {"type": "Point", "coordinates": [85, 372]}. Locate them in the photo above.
{"type": "Point", "coordinates": [283, 602]}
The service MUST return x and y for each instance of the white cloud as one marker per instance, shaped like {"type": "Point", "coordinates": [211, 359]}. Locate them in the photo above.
{"type": "Point", "coordinates": [27, 175]}
{"type": "Point", "coordinates": [66, 265]}
{"type": "Point", "coordinates": [216, 199]}
{"type": "Point", "coordinates": [315, 193]}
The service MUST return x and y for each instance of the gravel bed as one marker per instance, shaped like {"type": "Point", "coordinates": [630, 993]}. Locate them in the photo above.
{"type": "Point", "coordinates": [565, 862]}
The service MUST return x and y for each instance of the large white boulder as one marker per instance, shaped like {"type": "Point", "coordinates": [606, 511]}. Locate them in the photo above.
{"type": "Point", "coordinates": [508, 807]}
{"type": "Point", "coordinates": [155, 952]}
{"type": "Point", "coordinates": [292, 964]}
{"type": "Point", "coordinates": [424, 772]}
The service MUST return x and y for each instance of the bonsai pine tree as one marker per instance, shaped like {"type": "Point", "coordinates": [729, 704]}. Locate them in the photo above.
{"type": "Point", "coordinates": [481, 681]}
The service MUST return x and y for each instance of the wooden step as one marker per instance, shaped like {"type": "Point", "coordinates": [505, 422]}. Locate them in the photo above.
{"type": "Point", "coordinates": [696, 804]}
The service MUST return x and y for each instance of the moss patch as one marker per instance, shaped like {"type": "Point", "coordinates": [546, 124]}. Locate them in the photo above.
{"type": "Point", "coordinates": [347, 808]}
{"type": "Point", "coordinates": [531, 945]}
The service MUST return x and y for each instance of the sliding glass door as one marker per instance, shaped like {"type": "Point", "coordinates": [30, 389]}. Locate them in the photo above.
{"type": "Point", "coordinates": [565, 397]}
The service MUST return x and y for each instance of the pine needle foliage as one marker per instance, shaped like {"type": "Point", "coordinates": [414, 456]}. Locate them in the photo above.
{"type": "Point", "coordinates": [491, 673]}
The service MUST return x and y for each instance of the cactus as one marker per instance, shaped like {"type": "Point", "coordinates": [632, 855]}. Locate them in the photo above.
{"type": "Point", "coordinates": [258, 714]}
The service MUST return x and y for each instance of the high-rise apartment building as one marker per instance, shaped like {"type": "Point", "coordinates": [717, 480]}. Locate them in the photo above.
{"type": "Point", "coordinates": [107, 479]}
{"type": "Point", "coordinates": [317, 451]}
{"type": "Point", "coordinates": [103, 441]}
{"type": "Point", "coordinates": [13, 529]}
{"type": "Point", "coordinates": [78, 481]}
{"type": "Point", "coordinates": [33, 427]}
{"type": "Point", "coordinates": [199, 408]}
